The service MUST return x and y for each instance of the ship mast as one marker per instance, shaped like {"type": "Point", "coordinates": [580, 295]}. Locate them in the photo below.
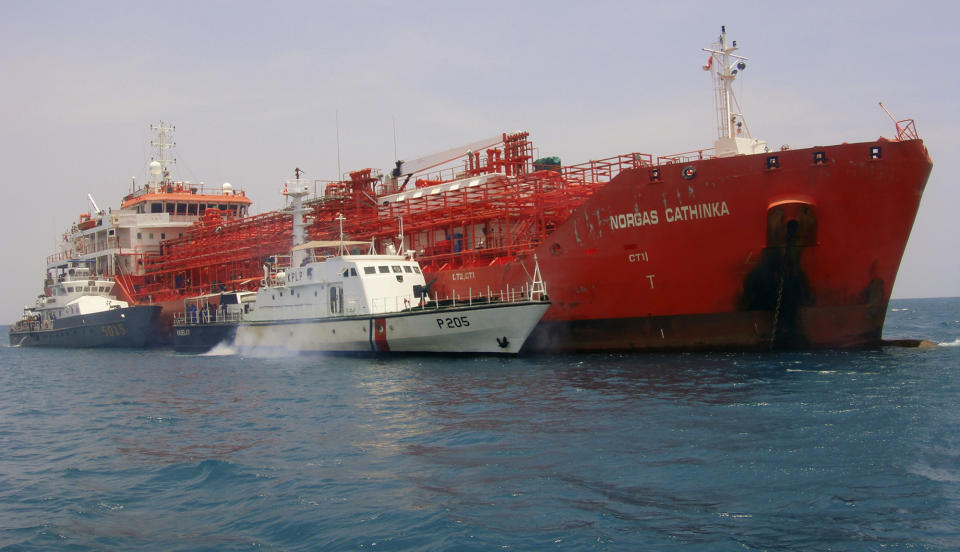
{"type": "Point", "coordinates": [733, 134]}
{"type": "Point", "coordinates": [296, 191]}
{"type": "Point", "coordinates": [159, 173]}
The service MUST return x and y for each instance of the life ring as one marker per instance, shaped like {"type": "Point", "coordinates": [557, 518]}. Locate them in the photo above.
{"type": "Point", "coordinates": [688, 172]}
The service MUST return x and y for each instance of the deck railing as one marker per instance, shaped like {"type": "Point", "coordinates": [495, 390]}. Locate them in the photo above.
{"type": "Point", "coordinates": [381, 305]}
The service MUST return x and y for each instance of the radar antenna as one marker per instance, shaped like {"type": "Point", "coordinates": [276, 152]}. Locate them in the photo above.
{"type": "Point", "coordinates": [163, 142]}
{"type": "Point", "coordinates": [733, 134]}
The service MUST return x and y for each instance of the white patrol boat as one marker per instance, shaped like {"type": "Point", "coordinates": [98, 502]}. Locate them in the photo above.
{"type": "Point", "coordinates": [361, 303]}
{"type": "Point", "coordinates": [78, 311]}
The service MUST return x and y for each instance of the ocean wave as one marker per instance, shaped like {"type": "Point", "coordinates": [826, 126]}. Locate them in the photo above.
{"type": "Point", "coordinates": [954, 343]}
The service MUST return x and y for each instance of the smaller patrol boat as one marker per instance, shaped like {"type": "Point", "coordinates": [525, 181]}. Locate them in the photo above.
{"type": "Point", "coordinates": [352, 302]}
{"type": "Point", "coordinates": [77, 310]}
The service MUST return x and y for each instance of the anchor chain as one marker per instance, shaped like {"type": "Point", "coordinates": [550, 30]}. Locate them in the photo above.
{"type": "Point", "coordinates": [776, 311]}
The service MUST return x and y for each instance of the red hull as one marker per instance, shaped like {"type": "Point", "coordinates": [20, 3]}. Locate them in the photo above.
{"type": "Point", "coordinates": [741, 255]}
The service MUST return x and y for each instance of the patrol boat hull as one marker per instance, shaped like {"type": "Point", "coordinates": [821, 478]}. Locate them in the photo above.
{"type": "Point", "coordinates": [495, 328]}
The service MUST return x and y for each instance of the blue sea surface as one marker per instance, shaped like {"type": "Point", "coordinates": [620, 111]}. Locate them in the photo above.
{"type": "Point", "coordinates": [153, 450]}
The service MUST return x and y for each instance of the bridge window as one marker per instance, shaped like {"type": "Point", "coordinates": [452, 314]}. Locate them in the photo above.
{"type": "Point", "coordinates": [156, 207]}
{"type": "Point", "coordinates": [407, 269]}
{"type": "Point", "coordinates": [384, 269]}
{"type": "Point", "coordinates": [369, 270]}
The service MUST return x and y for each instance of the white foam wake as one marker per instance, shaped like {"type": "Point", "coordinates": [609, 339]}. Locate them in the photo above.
{"type": "Point", "coordinates": [222, 349]}
{"type": "Point", "coordinates": [954, 343]}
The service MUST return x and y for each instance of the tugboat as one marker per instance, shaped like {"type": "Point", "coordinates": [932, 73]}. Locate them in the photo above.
{"type": "Point", "coordinates": [78, 311]}
{"type": "Point", "coordinates": [353, 302]}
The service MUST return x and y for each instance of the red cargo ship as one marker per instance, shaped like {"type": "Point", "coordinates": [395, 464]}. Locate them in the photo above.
{"type": "Point", "coordinates": [733, 246]}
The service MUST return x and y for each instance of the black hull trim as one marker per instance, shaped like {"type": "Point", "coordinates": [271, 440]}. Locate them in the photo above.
{"type": "Point", "coordinates": [200, 338]}
{"type": "Point", "coordinates": [739, 330]}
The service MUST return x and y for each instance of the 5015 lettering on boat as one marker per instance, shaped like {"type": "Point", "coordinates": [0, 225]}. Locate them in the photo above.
{"type": "Point", "coordinates": [735, 246]}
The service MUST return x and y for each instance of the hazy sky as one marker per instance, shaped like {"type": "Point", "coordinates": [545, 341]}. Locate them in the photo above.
{"type": "Point", "coordinates": [254, 89]}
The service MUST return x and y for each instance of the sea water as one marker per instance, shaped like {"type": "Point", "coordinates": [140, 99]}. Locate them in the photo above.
{"type": "Point", "coordinates": [153, 450]}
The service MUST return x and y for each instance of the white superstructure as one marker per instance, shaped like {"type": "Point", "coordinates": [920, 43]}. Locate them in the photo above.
{"type": "Point", "coordinates": [116, 242]}
{"type": "Point", "coordinates": [73, 291]}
